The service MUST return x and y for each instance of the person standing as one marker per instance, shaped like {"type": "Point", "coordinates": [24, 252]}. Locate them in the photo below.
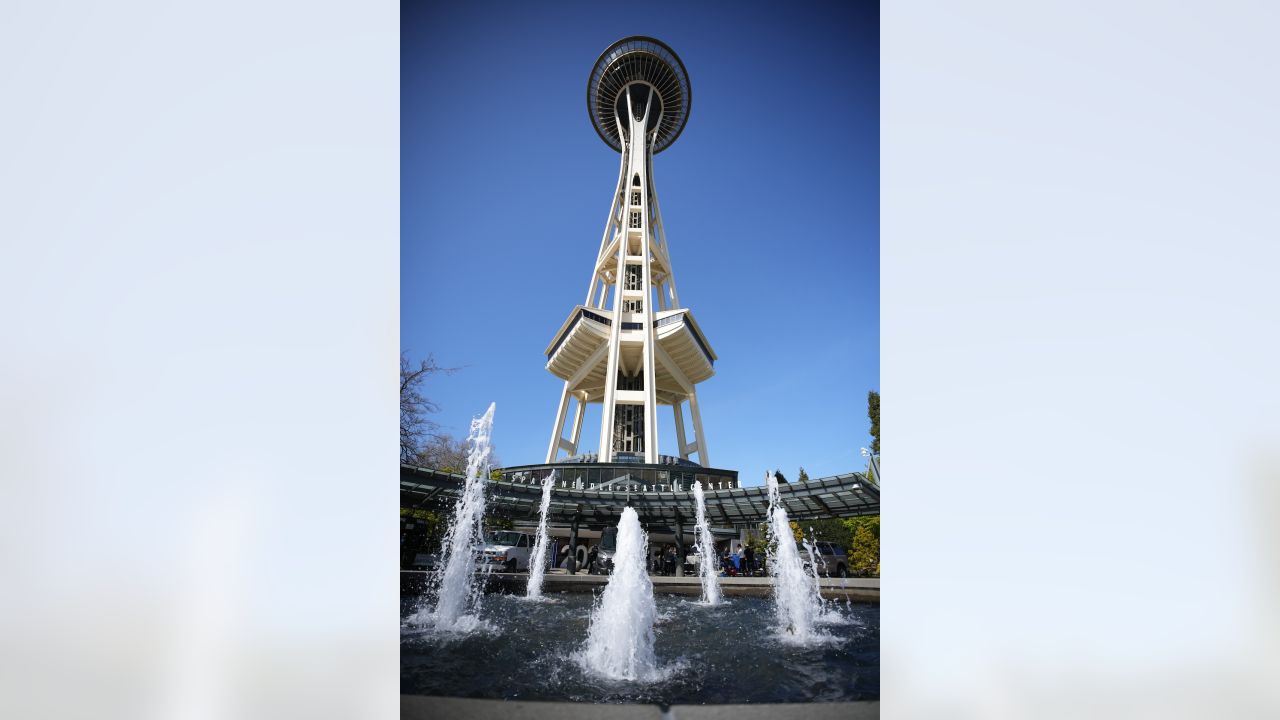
{"type": "Point", "coordinates": [751, 560]}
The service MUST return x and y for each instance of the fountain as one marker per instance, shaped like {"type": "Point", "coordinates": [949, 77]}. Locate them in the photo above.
{"type": "Point", "coordinates": [706, 551]}
{"type": "Point", "coordinates": [620, 639]}
{"type": "Point", "coordinates": [826, 614]}
{"type": "Point", "coordinates": [537, 559]}
{"type": "Point", "coordinates": [797, 604]}
{"type": "Point", "coordinates": [458, 596]}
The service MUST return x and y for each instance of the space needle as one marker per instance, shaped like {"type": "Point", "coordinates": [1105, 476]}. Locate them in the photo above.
{"type": "Point", "coordinates": [630, 346]}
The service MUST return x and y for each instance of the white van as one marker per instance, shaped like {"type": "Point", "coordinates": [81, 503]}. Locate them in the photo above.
{"type": "Point", "coordinates": [505, 551]}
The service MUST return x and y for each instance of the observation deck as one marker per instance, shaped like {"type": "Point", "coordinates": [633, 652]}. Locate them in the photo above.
{"type": "Point", "coordinates": [646, 60]}
{"type": "Point", "coordinates": [577, 354]}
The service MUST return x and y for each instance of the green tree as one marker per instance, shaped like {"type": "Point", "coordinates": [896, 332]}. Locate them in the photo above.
{"type": "Point", "coordinates": [803, 476]}
{"type": "Point", "coordinates": [421, 531]}
{"type": "Point", "coordinates": [797, 531]}
{"type": "Point", "coordinates": [827, 530]}
{"type": "Point", "coordinates": [864, 546]}
{"type": "Point", "coordinates": [873, 412]}
{"type": "Point", "coordinates": [859, 537]}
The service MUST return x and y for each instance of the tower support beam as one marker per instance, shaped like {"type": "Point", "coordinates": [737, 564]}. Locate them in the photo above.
{"type": "Point", "coordinates": [559, 426]}
{"type": "Point", "coordinates": [681, 449]}
{"type": "Point", "coordinates": [642, 158]}
{"type": "Point", "coordinates": [578, 412]}
{"type": "Point", "coordinates": [697, 428]}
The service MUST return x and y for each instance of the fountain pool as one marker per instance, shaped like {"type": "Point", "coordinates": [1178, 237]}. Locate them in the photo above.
{"type": "Point", "coordinates": [723, 654]}
{"type": "Point", "coordinates": [625, 645]}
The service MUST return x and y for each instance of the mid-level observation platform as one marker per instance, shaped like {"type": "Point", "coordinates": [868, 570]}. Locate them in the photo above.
{"type": "Point", "coordinates": [578, 353]}
{"type": "Point", "coordinates": [596, 493]}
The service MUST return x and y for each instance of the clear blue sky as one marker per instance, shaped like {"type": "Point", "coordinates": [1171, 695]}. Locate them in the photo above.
{"type": "Point", "coordinates": [770, 198]}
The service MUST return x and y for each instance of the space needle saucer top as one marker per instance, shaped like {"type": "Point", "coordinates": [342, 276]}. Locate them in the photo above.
{"type": "Point", "coordinates": [632, 66]}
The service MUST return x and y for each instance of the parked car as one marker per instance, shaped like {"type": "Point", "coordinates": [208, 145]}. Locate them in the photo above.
{"type": "Point", "coordinates": [831, 560]}
{"type": "Point", "coordinates": [602, 564]}
{"type": "Point", "coordinates": [505, 551]}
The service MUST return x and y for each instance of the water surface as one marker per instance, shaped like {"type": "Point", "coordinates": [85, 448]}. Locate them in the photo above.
{"type": "Point", "coordinates": [722, 654]}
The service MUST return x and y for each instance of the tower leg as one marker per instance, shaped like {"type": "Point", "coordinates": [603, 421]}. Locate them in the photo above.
{"type": "Point", "coordinates": [577, 421]}
{"type": "Point", "coordinates": [609, 228]}
{"type": "Point", "coordinates": [650, 336]}
{"type": "Point", "coordinates": [555, 432]}
{"type": "Point", "coordinates": [607, 411]}
{"type": "Point", "coordinates": [650, 373]}
{"type": "Point", "coordinates": [680, 439]}
{"type": "Point", "coordinates": [697, 428]}
{"type": "Point", "coordinates": [650, 389]}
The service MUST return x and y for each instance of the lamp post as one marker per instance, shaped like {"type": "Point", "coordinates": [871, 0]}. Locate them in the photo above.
{"type": "Point", "coordinates": [875, 469]}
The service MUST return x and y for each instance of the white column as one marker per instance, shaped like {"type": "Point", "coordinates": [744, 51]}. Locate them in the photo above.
{"type": "Point", "coordinates": [680, 440]}
{"type": "Point", "coordinates": [577, 420]}
{"type": "Point", "coordinates": [697, 428]}
{"type": "Point", "coordinates": [673, 297]}
{"type": "Point", "coordinates": [608, 225]}
{"type": "Point", "coordinates": [611, 367]}
{"type": "Point", "coordinates": [555, 432]}
{"type": "Point", "coordinates": [619, 278]}
{"type": "Point", "coordinates": [650, 374]}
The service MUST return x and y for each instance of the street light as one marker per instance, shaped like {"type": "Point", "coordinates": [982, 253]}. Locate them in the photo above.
{"type": "Point", "coordinates": [875, 469]}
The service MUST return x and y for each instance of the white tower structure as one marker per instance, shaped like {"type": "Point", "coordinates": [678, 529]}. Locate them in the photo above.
{"type": "Point", "coordinates": [630, 346]}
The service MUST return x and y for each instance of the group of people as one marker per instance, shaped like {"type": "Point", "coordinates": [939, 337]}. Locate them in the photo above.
{"type": "Point", "coordinates": [664, 561]}
{"type": "Point", "coordinates": [739, 560]}
{"type": "Point", "coordinates": [736, 560]}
